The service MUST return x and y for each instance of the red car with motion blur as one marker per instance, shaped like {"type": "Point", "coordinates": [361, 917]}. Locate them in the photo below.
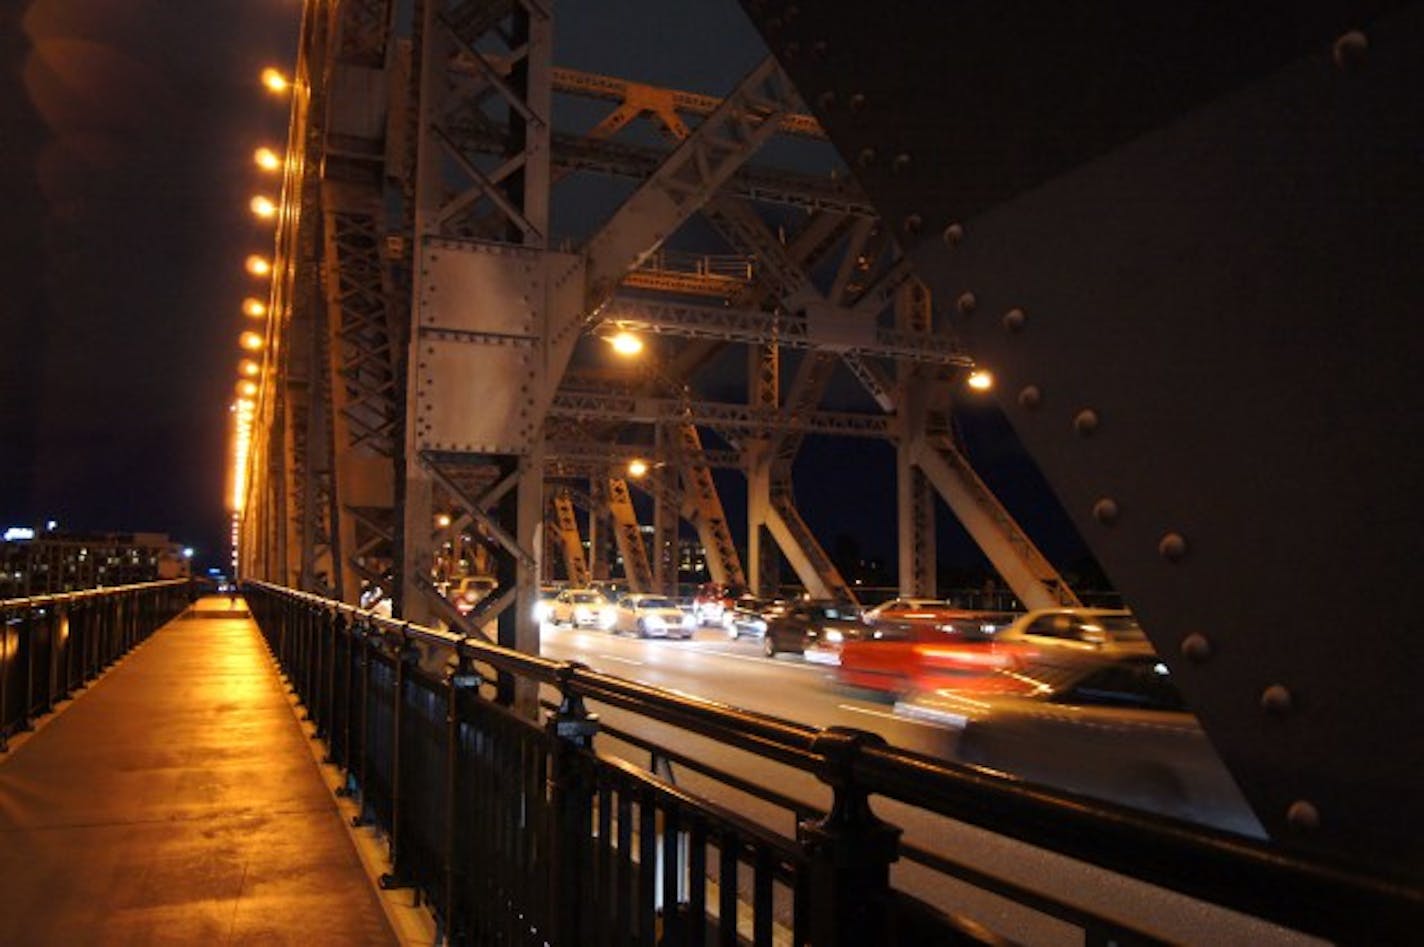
{"type": "Point", "coordinates": [908, 656]}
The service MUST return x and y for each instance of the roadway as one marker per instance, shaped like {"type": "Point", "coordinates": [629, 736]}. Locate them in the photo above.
{"type": "Point", "coordinates": [713, 667]}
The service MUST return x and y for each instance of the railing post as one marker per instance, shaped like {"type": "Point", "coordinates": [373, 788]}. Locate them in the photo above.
{"type": "Point", "coordinates": [850, 850]}
{"type": "Point", "coordinates": [462, 677]}
{"type": "Point", "coordinates": [403, 655]}
{"type": "Point", "coordinates": [4, 678]}
{"type": "Point", "coordinates": [571, 790]}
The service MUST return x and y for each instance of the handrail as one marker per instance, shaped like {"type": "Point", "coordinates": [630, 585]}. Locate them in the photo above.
{"type": "Point", "coordinates": [1307, 892]}
{"type": "Point", "coordinates": [60, 598]}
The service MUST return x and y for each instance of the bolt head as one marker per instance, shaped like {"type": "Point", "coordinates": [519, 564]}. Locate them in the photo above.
{"type": "Point", "coordinates": [1105, 511]}
{"type": "Point", "coordinates": [1085, 422]}
{"type": "Point", "coordinates": [953, 234]}
{"type": "Point", "coordinates": [1030, 398]}
{"type": "Point", "coordinates": [1349, 50]}
{"type": "Point", "coordinates": [1196, 647]}
{"type": "Point", "coordinates": [1303, 815]}
{"type": "Point", "coordinates": [966, 303]}
{"type": "Point", "coordinates": [1277, 699]}
{"type": "Point", "coordinates": [1014, 320]}
{"type": "Point", "coordinates": [1172, 547]}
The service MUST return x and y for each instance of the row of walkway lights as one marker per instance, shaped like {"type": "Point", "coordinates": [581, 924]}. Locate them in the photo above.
{"type": "Point", "coordinates": [253, 341]}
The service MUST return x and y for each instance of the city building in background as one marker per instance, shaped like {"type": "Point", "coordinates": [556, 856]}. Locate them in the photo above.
{"type": "Point", "coordinates": [40, 561]}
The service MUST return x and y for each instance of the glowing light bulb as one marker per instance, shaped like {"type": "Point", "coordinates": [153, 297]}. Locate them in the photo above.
{"type": "Point", "coordinates": [258, 266]}
{"type": "Point", "coordinates": [980, 380]}
{"type": "Point", "coordinates": [267, 159]}
{"type": "Point", "coordinates": [250, 341]}
{"type": "Point", "coordinates": [263, 207]}
{"type": "Point", "coordinates": [254, 308]}
{"type": "Point", "coordinates": [275, 82]}
{"type": "Point", "coordinates": [626, 343]}
{"type": "Point", "coordinates": [637, 468]}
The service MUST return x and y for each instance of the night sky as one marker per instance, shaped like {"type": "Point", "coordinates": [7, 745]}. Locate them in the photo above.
{"type": "Point", "coordinates": [126, 135]}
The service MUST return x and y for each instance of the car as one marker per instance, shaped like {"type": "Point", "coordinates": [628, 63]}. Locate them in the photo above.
{"type": "Point", "coordinates": [712, 601]}
{"type": "Point", "coordinates": [653, 616]}
{"type": "Point", "coordinates": [814, 629]}
{"type": "Point", "coordinates": [1107, 724]}
{"type": "Point", "coordinates": [582, 608]}
{"type": "Point", "coordinates": [914, 612]}
{"type": "Point", "coordinates": [902, 658]}
{"type": "Point", "coordinates": [748, 616]}
{"type": "Point", "coordinates": [1087, 629]}
{"type": "Point", "coordinates": [470, 590]}
{"type": "Point", "coordinates": [544, 604]}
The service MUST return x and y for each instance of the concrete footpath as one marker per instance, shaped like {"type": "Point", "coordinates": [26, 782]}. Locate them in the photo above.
{"type": "Point", "coordinates": [177, 801]}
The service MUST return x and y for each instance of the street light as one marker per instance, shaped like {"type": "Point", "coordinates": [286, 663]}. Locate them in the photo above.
{"type": "Point", "coordinates": [637, 468]}
{"type": "Point", "coordinates": [626, 343]}
{"type": "Point", "coordinates": [254, 308]}
{"type": "Point", "coordinates": [275, 82]}
{"type": "Point", "coordinates": [248, 368]}
{"type": "Point", "coordinates": [247, 388]}
{"type": "Point", "coordinates": [258, 266]}
{"type": "Point", "coordinates": [250, 341]}
{"type": "Point", "coordinates": [980, 380]}
{"type": "Point", "coordinates": [443, 520]}
{"type": "Point", "coordinates": [267, 159]}
{"type": "Point", "coordinates": [263, 207]}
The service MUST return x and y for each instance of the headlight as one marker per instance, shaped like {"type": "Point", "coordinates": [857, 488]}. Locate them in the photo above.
{"type": "Point", "coordinates": [653, 621]}
{"type": "Point", "coordinates": [607, 618]}
{"type": "Point", "coordinates": [834, 637]}
{"type": "Point", "coordinates": [688, 621]}
{"type": "Point", "coordinates": [541, 611]}
{"type": "Point", "coordinates": [581, 613]}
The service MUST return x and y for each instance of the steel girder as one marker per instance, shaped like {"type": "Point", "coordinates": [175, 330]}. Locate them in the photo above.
{"type": "Point", "coordinates": [570, 542]}
{"type": "Point", "coordinates": [582, 405]}
{"type": "Point", "coordinates": [1191, 258]}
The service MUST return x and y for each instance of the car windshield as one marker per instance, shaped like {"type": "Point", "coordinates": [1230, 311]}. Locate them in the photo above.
{"type": "Point", "coordinates": [584, 598]}
{"type": "Point", "coordinates": [832, 613]}
{"type": "Point", "coordinates": [656, 603]}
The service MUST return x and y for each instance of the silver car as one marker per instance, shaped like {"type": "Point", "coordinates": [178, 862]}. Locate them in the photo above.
{"type": "Point", "coordinates": [652, 616]}
{"type": "Point", "coordinates": [1105, 724]}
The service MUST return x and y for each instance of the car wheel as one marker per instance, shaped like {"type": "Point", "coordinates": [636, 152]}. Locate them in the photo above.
{"type": "Point", "coordinates": [768, 645]}
{"type": "Point", "coordinates": [642, 629]}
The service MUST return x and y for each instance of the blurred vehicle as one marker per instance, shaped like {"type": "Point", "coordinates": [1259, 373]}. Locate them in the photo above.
{"type": "Point", "coordinates": [653, 616]}
{"type": "Point", "coordinates": [582, 608]}
{"type": "Point", "coordinates": [813, 629]}
{"type": "Point", "coordinates": [713, 600]}
{"type": "Point", "coordinates": [748, 616]}
{"type": "Point", "coordinates": [903, 658]}
{"type": "Point", "coordinates": [1090, 629]}
{"type": "Point", "coordinates": [544, 604]}
{"type": "Point", "coordinates": [470, 590]}
{"type": "Point", "coordinates": [1105, 724]}
{"type": "Point", "coordinates": [905, 613]}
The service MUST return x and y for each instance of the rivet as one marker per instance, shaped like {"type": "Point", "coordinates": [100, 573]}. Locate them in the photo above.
{"type": "Point", "coordinates": [1030, 398]}
{"type": "Point", "coordinates": [913, 223]}
{"type": "Point", "coordinates": [1172, 547]}
{"type": "Point", "coordinates": [1086, 422]}
{"type": "Point", "coordinates": [826, 100]}
{"type": "Point", "coordinates": [791, 49]}
{"type": "Point", "coordinates": [857, 102]}
{"type": "Point", "coordinates": [1014, 320]}
{"type": "Point", "coordinates": [1303, 815]}
{"type": "Point", "coordinates": [1348, 52]}
{"type": "Point", "coordinates": [1277, 699]}
{"type": "Point", "coordinates": [819, 47]}
{"type": "Point", "coordinates": [966, 303]}
{"type": "Point", "coordinates": [866, 157]}
{"type": "Point", "coordinates": [901, 162]}
{"type": "Point", "coordinates": [1196, 647]}
{"type": "Point", "coordinates": [1105, 511]}
{"type": "Point", "coordinates": [953, 234]}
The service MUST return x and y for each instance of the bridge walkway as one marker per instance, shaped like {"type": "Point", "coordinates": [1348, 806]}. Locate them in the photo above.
{"type": "Point", "coordinates": [177, 802]}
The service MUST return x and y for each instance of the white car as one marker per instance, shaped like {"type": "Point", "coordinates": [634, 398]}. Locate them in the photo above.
{"type": "Point", "coordinates": [1081, 629]}
{"type": "Point", "coordinates": [653, 616]}
{"type": "Point", "coordinates": [582, 608]}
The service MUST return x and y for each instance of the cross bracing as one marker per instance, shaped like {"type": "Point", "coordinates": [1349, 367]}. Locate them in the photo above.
{"type": "Point", "coordinates": [460, 337]}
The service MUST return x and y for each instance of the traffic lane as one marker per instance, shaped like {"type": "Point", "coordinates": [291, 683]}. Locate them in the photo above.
{"type": "Point", "coordinates": [712, 667]}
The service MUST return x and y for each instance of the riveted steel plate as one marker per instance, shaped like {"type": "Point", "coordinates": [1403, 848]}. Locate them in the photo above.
{"type": "Point", "coordinates": [1211, 227]}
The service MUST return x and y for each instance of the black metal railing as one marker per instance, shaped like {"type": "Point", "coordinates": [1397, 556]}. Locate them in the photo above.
{"type": "Point", "coordinates": [52, 645]}
{"type": "Point", "coordinates": [518, 831]}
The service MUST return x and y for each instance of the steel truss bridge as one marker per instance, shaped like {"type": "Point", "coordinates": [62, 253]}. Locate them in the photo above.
{"type": "Point", "coordinates": [1185, 240]}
